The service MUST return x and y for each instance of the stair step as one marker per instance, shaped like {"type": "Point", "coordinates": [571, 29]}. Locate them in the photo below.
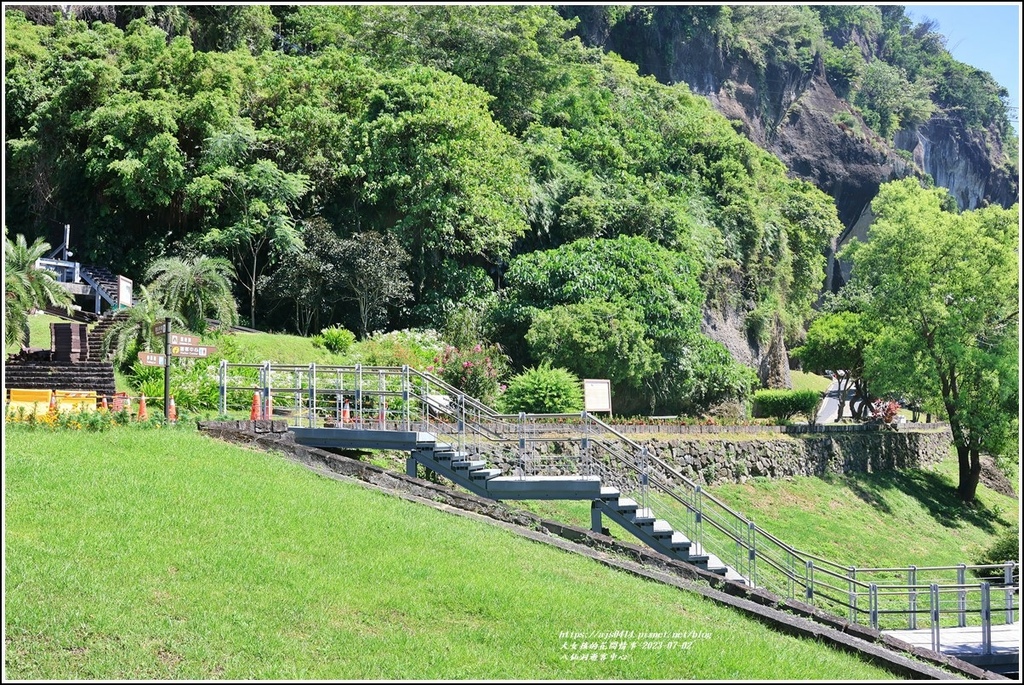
{"type": "Point", "coordinates": [625, 505]}
{"type": "Point", "coordinates": [609, 494]}
{"type": "Point", "coordinates": [644, 517]}
{"type": "Point", "coordinates": [484, 474]}
{"type": "Point", "coordinates": [662, 529]}
{"type": "Point", "coordinates": [699, 560]}
{"type": "Point", "coordinates": [472, 465]}
{"type": "Point", "coordinates": [679, 542]}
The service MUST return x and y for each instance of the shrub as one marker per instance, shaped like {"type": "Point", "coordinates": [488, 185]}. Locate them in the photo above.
{"type": "Point", "coordinates": [784, 404]}
{"type": "Point", "coordinates": [544, 390]}
{"type": "Point", "coordinates": [1005, 548]}
{"type": "Point", "coordinates": [335, 339]}
{"type": "Point", "coordinates": [414, 348]}
{"type": "Point", "coordinates": [474, 371]}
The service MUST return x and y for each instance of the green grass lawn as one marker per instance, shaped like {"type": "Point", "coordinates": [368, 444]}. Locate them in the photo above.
{"type": "Point", "coordinates": [280, 348]}
{"type": "Point", "coordinates": [809, 381]}
{"type": "Point", "coordinates": [160, 554]}
{"type": "Point", "coordinates": [38, 332]}
{"type": "Point", "coordinates": [880, 519]}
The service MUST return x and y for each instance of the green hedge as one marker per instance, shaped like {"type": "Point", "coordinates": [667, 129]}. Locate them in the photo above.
{"type": "Point", "coordinates": [784, 404]}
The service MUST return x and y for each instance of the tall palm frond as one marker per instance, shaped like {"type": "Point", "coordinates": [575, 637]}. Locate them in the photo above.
{"type": "Point", "coordinates": [195, 288]}
{"type": "Point", "coordinates": [133, 332]}
{"type": "Point", "coordinates": [28, 286]}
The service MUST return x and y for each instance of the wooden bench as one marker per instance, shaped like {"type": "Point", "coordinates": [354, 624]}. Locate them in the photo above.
{"type": "Point", "coordinates": [28, 402]}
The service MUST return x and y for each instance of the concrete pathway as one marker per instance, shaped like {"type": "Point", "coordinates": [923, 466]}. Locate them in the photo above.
{"type": "Point", "coordinates": [965, 643]}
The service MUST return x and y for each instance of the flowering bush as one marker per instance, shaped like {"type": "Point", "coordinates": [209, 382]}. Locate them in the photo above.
{"type": "Point", "coordinates": [71, 420]}
{"type": "Point", "coordinates": [475, 371]}
{"type": "Point", "coordinates": [885, 411]}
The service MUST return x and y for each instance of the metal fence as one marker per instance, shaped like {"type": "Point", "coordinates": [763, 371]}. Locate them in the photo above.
{"type": "Point", "coordinates": [400, 398]}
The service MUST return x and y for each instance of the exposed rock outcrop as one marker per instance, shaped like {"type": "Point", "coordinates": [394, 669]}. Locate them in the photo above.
{"type": "Point", "coordinates": [794, 113]}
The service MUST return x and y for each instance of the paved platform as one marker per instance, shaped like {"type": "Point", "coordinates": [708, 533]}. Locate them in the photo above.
{"type": "Point", "coordinates": [965, 643]}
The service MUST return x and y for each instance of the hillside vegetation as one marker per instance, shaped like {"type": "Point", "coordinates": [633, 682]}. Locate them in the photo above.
{"type": "Point", "coordinates": [112, 572]}
{"type": "Point", "coordinates": [286, 138]}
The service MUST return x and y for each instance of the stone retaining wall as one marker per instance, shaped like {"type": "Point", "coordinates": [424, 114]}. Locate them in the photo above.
{"type": "Point", "coordinates": [726, 457]}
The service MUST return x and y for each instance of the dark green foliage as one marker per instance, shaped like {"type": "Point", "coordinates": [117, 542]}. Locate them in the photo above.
{"type": "Point", "coordinates": [1006, 548]}
{"type": "Point", "coordinates": [336, 339]}
{"type": "Point", "coordinates": [543, 390]}
{"type": "Point", "coordinates": [647, 340]}
{"type": "Point", "coordinates": [784, 404]}
{"type": "Point", "coordinates": [595, 338]}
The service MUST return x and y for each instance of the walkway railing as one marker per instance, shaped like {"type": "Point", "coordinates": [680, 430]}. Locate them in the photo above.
{"type": "Point", "coordinates": [400, 398]}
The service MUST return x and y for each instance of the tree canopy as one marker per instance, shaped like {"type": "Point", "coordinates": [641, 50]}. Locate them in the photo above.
{"type": "Point", "coordinates": [943, 287]}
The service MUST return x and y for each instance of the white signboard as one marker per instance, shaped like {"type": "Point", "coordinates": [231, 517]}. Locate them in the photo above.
{"type": "Point", "coordinates": [597, 394]}
{"type": "Point", "coordinates": [124, 291]}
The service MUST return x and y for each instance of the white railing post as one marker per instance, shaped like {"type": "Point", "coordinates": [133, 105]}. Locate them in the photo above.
{"type": "Point", "coordinates": [851, 573]}
{"type": "Point", "coordinates": [809, 580]}
{"type": "Point", "coordinates": [312, 394]}
{"type": "Point", "coordinates": [873, 605]}
{"type": "Point", "coordinates": [223, 376]}
{"type": "Point", "coordinates": [359, 394]}
{"type": "Point", "coordinates": [936, 638]}
{"type": "Point", "coordinates": [644, 476]}
{"type": "Point", "coordinates": [1008, 581]}
{"type": "Point", "coordinates": [521, 467]}
{"type": "Point", "coordinates": [752, 553]}
{"type": "Point", "coordinates": [406, 397]}
{"type": "Point", "coordinates": [912, 602]}
{"type": "Point", "coordinates": [961, 595]}
{"type": "Point", "coordinates": [986, 619]}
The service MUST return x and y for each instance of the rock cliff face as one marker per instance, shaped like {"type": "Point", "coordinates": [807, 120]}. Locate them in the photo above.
{"type": "Point", "coordinates": [796, 115]}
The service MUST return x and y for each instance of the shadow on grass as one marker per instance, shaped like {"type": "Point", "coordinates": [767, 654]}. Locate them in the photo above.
{"type": "Point", "coordinates": [935, 493]}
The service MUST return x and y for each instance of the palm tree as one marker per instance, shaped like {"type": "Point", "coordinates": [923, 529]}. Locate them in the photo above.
{"type": "Point", "coordinates": [27, 286]}
{"type": "Point", "coordinates": [132, 330]}
{"type": "Point", "coordinates": [195, 287]}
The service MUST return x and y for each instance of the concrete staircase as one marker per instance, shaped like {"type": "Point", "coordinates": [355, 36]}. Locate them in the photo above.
{"type": "Point", "coordinates": [472, 473]}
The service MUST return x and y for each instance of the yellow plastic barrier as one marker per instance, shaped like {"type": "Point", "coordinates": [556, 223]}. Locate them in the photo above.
{"type": "Point", "coordinates": [29, 402]}
{"type": "Point", "coordinates": [76, 400]}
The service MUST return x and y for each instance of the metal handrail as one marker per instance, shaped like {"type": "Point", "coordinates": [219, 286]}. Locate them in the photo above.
{"type": "Point", "coordinates": [711, 523]}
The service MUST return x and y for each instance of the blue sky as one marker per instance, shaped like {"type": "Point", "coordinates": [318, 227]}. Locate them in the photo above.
{"type": "Point", "coordinates": [984, 35]}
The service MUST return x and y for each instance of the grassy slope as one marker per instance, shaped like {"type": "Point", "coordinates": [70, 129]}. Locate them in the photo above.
{"type": "Point", "coordinates": [38, 332]}
{"type": "Point", "coordinates": [881, 519]}
{"type": "Point", "coordinates": [809, 381]}
{"type": "Point", "coordinates": [156, 554]}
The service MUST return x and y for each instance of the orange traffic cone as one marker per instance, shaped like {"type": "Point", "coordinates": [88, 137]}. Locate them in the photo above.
{"type": "Point", "coordinates": [382, 417]}
{"type": "Point", "coordinates": [345, 412]}
{"type": "Point", "coordinates": [172, 412]}
{"type": "Point", "coordinates": [269, 409]}
{"type": "Point", "coordinates": [53, 402]}
{"type": "Point", "coordinates": [103, 404]}
{"type": "Point", "coordinates": [143, 414]}
{"type": "Point", "coordinates": [254, 413]}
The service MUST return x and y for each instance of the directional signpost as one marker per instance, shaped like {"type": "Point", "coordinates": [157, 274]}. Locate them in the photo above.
{"type": "Point", "coordinates": [150, 359]}
{"type": "Point", "coordinates": [191, 350]}
{"type": "Point", "coordinates": [175, 345]}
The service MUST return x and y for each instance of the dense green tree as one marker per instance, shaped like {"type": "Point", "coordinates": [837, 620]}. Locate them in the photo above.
{"type": "Point", "coordinates": [659, 287]}
{"type": "Point", "coordinates": [947, 285]}
{"type": "Point", "coordinates": [432, 167]}
{"type": "Point", "coordinates": [373, 275]}
{"type": "Point", "coordinates": [27, 286]}
{"type": "Point", "coordinates": [195, 288]}
{"type": "Point", "coordinates": [308, 279]}
{"type": "Point", "coordinates": [838, 342]}
{"type": "Point", "coordinates": [247, 201]}
{"type": "Point", "coordinates": [595, 338]}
